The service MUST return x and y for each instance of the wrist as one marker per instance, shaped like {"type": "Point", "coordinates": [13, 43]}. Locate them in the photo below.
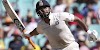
{"type": "Point", "coordinates": [89, 31]}
{"type": "Point", "coordinates": [27, 35]}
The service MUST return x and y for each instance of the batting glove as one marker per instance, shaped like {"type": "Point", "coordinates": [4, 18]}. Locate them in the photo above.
{"type": "Point", "coordinates": [27, 34]}
{"type": "Point", "coordinates": [92, 35]}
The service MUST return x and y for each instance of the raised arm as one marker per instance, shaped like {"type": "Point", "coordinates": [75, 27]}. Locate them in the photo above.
{"type": "Point", "coordinates": [81, 23]}
{"type": "Point", "coordinates": [70, 18]}
{"type": "Point", "coordinates": [92, 35]}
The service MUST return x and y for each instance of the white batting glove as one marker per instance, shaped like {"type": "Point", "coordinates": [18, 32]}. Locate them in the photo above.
{"type": "Point", "coordinates": [92, 35]}
{"type": "Point", "coordinates": [27, 34]}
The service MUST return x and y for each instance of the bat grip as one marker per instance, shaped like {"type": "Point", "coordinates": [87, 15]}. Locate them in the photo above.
{"type": "Point", "coordinates": [30, 41]}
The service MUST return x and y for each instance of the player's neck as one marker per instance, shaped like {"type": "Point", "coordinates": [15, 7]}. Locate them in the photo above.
{"type": "Point", "coordinates": [47, 20]}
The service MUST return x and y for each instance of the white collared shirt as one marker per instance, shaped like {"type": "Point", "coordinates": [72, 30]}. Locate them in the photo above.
{"type": "Point", "coordinates": [58, 33]}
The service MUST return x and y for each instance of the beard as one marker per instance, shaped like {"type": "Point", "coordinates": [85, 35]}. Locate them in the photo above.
{"type": "Point", "coordinates": [44, 15]}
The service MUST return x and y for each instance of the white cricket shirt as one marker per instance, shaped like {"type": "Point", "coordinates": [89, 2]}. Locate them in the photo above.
{"type": "Point", "coordinates": [58, 33]}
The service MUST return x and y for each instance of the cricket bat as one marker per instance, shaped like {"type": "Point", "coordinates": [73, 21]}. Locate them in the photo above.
{"type": "Point", "coordinates": [15, 18]}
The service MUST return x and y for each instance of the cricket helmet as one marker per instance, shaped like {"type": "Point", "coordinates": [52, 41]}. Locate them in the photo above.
{"type": "Point", "coordinates": [40, 4]}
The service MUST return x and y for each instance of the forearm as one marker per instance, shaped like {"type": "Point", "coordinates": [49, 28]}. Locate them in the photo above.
{"type": "Point", "coordinates": [34, 32]}
{"type": "Point", "coordinates": [29, 33]}
{"type": "Point", "coordinates": [92, 35]}
{"type": "Point", "coordinates": [81, 24]}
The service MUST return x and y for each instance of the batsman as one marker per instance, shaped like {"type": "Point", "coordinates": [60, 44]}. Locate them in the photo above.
{"type": "Point", "coordinates": [56, 30]}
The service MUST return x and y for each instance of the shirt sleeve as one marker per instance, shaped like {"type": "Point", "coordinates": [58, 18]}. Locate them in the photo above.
{"type": "Point", "coordinates": [66, 16]}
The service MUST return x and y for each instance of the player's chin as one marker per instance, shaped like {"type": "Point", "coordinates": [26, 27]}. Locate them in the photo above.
{"type": "Point", "coordinates": [47, 13]}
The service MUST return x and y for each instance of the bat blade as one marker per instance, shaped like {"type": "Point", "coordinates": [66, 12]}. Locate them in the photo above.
{"type": "Point", "coordinates": [13, 15]}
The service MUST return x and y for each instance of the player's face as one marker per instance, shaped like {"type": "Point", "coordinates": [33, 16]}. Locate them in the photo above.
{"type": "Point", "coordinates": [46, 10]}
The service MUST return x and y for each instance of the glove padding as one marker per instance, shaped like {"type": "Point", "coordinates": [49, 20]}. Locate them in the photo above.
{"type": "Point", "coordinates": [92, 35]}
{"type": "Point", "coordinates": [27, 34]}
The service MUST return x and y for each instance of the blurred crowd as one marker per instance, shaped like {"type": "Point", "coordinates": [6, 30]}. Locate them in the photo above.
{"type": "Point", "coordinates": [12, 39]}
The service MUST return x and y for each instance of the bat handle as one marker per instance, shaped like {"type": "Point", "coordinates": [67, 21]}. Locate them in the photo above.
{"type": "Point", "coordinates": [31, 42]}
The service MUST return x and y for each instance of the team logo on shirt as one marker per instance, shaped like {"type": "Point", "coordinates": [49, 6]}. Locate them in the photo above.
{"type": "Point", "coordinates": [57, 22]}
{"type": "Point", "coordinates": [56, 19]}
